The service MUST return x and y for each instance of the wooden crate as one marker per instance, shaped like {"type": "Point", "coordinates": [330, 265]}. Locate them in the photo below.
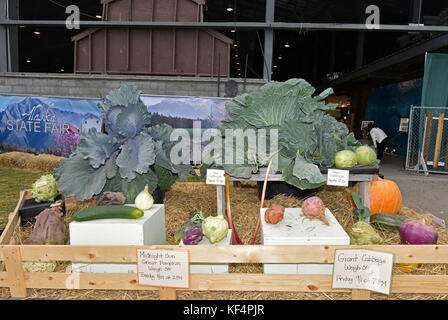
{"type": "Point", "coordinates": [18, 281]}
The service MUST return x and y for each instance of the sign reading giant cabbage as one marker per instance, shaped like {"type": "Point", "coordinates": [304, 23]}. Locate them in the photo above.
{"type": "Point", "coordinates": [308, 138]}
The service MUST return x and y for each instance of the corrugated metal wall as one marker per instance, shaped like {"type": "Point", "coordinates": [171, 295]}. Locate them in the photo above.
{"type": "Point", "coordinates": [153, 51]}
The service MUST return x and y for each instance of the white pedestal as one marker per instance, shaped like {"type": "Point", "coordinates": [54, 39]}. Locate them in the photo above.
{"type": "Point", "coordinates": [295, 229]}
{"type": "Point", "coordinates": [147, 230]}
{"type": "Point", "coordinates": [211, 268]}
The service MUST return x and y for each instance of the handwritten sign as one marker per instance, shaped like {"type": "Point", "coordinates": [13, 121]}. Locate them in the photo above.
{"type": "Point", "coordinates": [163, 268]}
{"type": "Point", "coordinates": [338, 177]}
{"type": "Point", "coordinates": [216, 177]}
{"type": "Point", "coordinates": [362, 270]}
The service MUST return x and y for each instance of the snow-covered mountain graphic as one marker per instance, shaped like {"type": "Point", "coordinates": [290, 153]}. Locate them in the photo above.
{"type": "Point", "coordinates": [190, 108]}
{"type": "Point", "coordinates": [17, 123]}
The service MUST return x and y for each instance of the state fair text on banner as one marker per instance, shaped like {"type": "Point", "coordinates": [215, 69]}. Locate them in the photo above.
{"type": "Point", "coordinates": [46, 124]}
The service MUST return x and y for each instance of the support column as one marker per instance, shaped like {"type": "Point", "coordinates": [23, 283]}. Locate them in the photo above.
{"type": "Point", "coordinates": [268, 41]}
{"type": "Point", "coordinates": [360, 43]}
{"type": "Point", "coordinates": [415, 12]}
{"type": "Point", "coordinates": [9, 46]}
{"type": "Point", "coordinates": [332, 52]}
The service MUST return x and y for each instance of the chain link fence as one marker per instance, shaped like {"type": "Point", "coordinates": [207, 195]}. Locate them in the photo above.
{"type": "Point", "coordinates": [427, 149]}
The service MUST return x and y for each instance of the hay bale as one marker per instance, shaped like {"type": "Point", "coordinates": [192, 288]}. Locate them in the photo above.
{"type": "Point", "coordinates": [43, 162]}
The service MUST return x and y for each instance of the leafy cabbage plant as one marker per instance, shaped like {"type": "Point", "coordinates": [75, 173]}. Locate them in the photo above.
{"type": "Point", "coordinates": [308, 137]}
{"type": "Point", "coordinates": [129, 156]}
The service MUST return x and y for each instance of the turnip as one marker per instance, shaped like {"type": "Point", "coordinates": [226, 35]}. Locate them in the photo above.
{"type": "Point", "coordinates": [314, 208]}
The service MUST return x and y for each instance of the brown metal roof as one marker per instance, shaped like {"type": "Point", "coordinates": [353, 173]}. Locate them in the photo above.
{"type": "Point", "coordinates": [200, 2]}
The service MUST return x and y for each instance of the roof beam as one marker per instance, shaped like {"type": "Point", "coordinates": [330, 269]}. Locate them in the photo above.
{"type": "Point", "coordinates": [231, 25]}
{"type": "Point", "coordinates": [398, 57]}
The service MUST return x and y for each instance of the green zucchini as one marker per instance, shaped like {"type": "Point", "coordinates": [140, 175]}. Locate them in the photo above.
{"type": "Point", "coordinates": [108, 212]}
{"type": "Point", "coordinates": [387, 222]}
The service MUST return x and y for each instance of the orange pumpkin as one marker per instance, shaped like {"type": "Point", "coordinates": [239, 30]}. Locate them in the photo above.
{"type": "Point", "coordinates": [385, 196]}
{"type": "Point", "coordinates": [274, 214]}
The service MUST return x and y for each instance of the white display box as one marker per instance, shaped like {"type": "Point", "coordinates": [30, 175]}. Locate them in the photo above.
{"type": "Point", "coordinates": [295, 229]}
{"type": "Point", "coordinates": [211, 268]}
{"type": "Point", "coordinates": [147, 230]}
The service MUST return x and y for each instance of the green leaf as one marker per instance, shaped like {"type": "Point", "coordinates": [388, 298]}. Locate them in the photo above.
{"type": "Point", "coordinates": [136, 156]}
{"type": "Point", "coordinates": [165, 177]}
{"type": "Point", "coordinates": [361, 211]}
{"type": "Point", "coordinates": [160, 132]}
{"type": "Point", "coordinates": [304, 170]}
{"type": "Point", "coordinates": [76, 178]}
{"type": "Point", "coordinates": [123, 96]}
{"type": "Point", "coordinates": [132, 188]}
{"type": "Point", "coordinates": [97, 147]}
{"type": "Point", "coordinates": [240, 170]}
{"type": "Point", "coordinates": [302, 184]}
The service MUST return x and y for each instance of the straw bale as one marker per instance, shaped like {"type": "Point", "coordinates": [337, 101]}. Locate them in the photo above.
{"type": "Point", "coordinates": [43, 162]}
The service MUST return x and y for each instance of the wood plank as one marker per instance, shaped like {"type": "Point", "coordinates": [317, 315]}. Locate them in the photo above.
{"type": "Point", "coordinates": [427, 135]}
{"type": "Point", "coordinates": [13, 221]}
{"type": "Point", "coordinates": [230, 254]}
{"type": "Point", "coordinates": [221, 200]}
{"type": "Point", "coordinates": [360, 295]}
{"type": "Point", "coordinates": [437, 284]}
{"type": "Point", "coordinates": [14, 271]}
{"type": "Point", "coordinates": [446, 154]}
{"type": "Point", "coordinates": [167, 294]}
{"type": "Point", "coordinates": [364, 192]}
{"type": "Point", "coordinates": [438, 140]}
{"type": "Point", "coordinates": [356, 174]}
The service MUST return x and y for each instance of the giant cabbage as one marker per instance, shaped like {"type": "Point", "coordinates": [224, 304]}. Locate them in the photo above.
{"type": "Point", "coordinates": [308, 138]}
{"type": "Point", "coordinates": [129, 156]}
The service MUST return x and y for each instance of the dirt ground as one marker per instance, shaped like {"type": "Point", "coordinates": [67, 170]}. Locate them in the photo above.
{"type": "Point", "coordinates": [421, 193]}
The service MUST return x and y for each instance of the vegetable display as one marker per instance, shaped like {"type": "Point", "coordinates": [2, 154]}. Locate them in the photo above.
{"type": "Point", "coordinates": [108, 212]}
{"type": "Point", "coordinates": [308, 138]}
{"type": "Point", "coordinates": [192, 236]}
{"type": "Point", "coordinates": [45, 189]}
{"type": "Point", "coordinates": [131, 155]}
{"type": "Point", "coordinates": [417, 231]}
{"type": "Point", "coordinates": [385, 196]}
{"type": "Point", "coordinates": [345, 159]}
{"type": "Point", "coordinates": [314, 208]}
{"type": "Point", "coordinates": [362, 233]}
{"type": "Point", "coordinates": [274, 214]}
{"type": "Point", "coordinates": [215, 228]}
{"type": "Point", "coordinates": [195, 221]}
{"type": "Point", "coordinates": [144, 200]}
{"type": "Point", "coordinates": [365, 155]}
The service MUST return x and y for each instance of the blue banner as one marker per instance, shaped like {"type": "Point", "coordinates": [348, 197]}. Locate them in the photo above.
{"type": "Point", "coordinates": [44, 124]}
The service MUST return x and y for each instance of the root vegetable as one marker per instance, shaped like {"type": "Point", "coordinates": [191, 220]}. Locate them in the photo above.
{"type": "Point", "coordinates": [314, 208]}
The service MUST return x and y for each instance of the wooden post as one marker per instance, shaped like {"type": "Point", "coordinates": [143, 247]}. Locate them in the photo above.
{"type": "Point", "coordinates": [427, 136]}
{"type": "Point", "coordinates": [16, 277]}
{"type": "Point", "coordinates": [221, 200]}
{"type": "Point", "coordinates": [446, 154]}
{"type": "Point", "coordinates": [364, 193]}
{"type": "Point", "coordinates": [360, 295]}
{"type": "Point", "coordinates": [438, 140]}
{"type": "Point", "coordinates": [167, 293]}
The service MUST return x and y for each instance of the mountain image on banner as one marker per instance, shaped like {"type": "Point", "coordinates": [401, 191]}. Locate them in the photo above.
{"type": "Point", "coordinates": [33, 123]}
{"type": "Point", "coordinates": [209, 109]}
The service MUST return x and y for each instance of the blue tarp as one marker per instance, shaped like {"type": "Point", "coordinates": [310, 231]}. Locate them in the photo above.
{"type": "Point", "coordinates": [386, 105]}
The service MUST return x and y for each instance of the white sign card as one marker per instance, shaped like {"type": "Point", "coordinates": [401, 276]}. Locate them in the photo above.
{"type": "Point", "coordinates": [216, 177]}
{"type": "Point", "coordinates": [338, 178]}
{"type": "Point", "coordinates": [362, 270]}
{"type": "Point", "coordinates": [163, 268]}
